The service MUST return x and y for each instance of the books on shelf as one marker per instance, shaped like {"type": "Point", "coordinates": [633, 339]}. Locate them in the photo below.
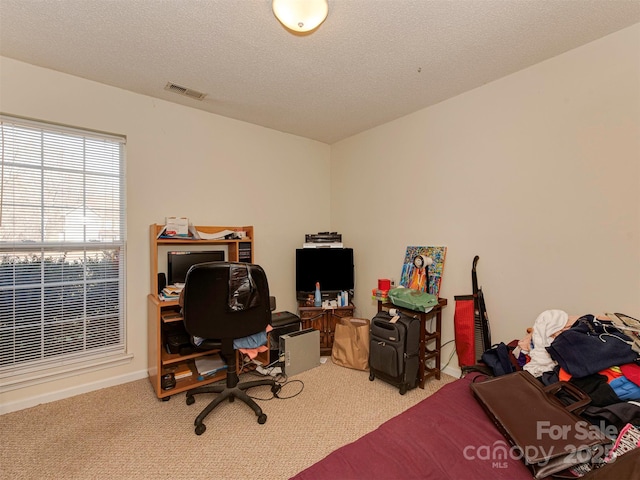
{"type": "Point", "coordinates": [168, 298]}
{"type": "Point", "coordinates": [171, 316]}
{"type": "Point", "coordinates": [179, 228]}
{"type": "Point", "coordinates": [209, 365]}
{"type": "Point", "coordinates": [171, 292]}
{"type": "Point", "coordinates": [174, 289]}
{"type": "Point", "coordinates": [182, 371]}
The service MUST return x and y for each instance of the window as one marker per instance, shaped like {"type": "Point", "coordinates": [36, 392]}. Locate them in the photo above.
{"type": "Point", "coordinates": [62, 248]}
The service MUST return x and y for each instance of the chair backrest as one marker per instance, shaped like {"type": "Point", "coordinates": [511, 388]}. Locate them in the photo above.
{"type": "Point", "coordinates": [226, 300]}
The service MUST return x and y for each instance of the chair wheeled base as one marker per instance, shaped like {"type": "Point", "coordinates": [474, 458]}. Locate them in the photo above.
{"type": "Point", "coordinates": [231, 390]}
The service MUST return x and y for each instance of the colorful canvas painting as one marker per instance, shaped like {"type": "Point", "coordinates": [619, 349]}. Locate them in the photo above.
{"type": "Point", "coordinates": [416, 278]}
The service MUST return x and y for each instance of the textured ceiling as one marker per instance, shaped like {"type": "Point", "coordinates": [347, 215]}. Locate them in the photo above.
{"type": "Point", "coordinates": [370, 62]}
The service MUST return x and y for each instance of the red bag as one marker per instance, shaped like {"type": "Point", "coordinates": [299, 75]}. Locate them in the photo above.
{"type": "Point", "coordinates": [464, 325]}
{"type": "Point", "coordinates": [471, 324]}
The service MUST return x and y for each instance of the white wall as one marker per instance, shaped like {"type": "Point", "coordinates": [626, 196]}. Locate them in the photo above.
{"type": "Point", "coordinates": [538, 173]}
{"type": "Point", "coordinates": [181, 161]}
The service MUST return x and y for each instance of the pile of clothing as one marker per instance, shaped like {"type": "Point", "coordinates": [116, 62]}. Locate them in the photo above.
{"type": "Point", "coordinates": [599, 354]}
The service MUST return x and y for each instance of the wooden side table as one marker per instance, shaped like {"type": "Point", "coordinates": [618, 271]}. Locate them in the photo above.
{"type": "Point", "coordinates": [428, 339]}
{"type": "Point", "coordinates": [324, 320]}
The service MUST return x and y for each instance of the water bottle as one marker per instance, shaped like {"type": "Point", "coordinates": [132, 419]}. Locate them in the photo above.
{"type": "Point", "coordinates": [318, 298]}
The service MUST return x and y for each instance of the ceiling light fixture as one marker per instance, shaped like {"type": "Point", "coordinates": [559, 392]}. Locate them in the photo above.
{"type": "Point", "coordinates": [301, 15]}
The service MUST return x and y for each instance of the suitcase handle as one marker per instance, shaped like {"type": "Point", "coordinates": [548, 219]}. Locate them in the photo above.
{"type": "Point", "coordinates": [385, 326]}
{"type": "Point", "coordinates": [582, 399]}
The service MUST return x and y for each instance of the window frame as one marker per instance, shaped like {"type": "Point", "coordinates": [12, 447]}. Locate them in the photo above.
{"type": "Point", "coordinates": [88, 356]}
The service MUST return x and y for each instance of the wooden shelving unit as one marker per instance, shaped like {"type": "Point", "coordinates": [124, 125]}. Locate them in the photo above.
{"type": "Point", "coordinates": [160, 361]}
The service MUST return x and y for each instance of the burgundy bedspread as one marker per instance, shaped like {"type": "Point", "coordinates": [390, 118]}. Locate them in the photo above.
{"type": "Point", "coordinates": [447, 436]}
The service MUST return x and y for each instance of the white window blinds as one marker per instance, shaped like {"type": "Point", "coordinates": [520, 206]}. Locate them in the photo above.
{"type": "Point", "coordinates": [62, 239]}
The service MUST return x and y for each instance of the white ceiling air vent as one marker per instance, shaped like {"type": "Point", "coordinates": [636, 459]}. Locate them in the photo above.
{"type": "Point", "coordinates": [187, 92]}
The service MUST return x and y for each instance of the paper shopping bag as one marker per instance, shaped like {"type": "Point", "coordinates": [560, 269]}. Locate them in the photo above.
{"type": "Point", "coordinates": [351, 343]}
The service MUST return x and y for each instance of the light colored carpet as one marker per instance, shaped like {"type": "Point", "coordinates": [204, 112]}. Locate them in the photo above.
{"type": "Point", "coordinates": [125, 432]}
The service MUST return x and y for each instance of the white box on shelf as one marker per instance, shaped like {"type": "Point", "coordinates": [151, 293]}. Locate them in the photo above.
{"type": "Point", "coordinates": [177, 226]}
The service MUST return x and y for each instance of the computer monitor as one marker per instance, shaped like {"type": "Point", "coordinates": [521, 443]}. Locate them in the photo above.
{"type": "Point", "coordinates": [179, 263]}
{"type": "Point", "coordinates": [333, 268]}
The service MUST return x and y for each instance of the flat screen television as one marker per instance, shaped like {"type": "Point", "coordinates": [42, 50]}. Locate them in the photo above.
{"type": "Point", "coordinates": [332, 267]}
{"type": "Point", "coordinates": [179, 263]}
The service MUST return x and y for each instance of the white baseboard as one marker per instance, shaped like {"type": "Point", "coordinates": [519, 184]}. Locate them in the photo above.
{"type": "Point", "coordinates": [453, 371]}
{"type": "Point", "coordinates": [70, 392]}
{"type": "Point", "coordinates": [109, 382]}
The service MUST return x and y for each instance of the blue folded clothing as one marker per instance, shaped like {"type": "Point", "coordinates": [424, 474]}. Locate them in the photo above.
{"type": "Point", "coordinates": [625, 389]}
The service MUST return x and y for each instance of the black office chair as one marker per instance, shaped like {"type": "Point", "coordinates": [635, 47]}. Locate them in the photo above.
{"type": "Point", "coordinates": [224, 301]}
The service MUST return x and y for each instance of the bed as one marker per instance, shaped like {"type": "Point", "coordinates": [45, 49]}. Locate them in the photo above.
{"type": "Point", "coordinates": [448, 436]}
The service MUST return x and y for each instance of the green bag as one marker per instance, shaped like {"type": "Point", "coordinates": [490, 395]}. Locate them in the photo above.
{"type": "Point", "coordinates": [412, 299]}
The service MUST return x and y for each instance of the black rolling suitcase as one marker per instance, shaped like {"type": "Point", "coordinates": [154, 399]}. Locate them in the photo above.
{"type": "Point", "coordinates": [393, 350]}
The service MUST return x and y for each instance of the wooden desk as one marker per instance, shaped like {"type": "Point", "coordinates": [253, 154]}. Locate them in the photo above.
{"type": "Point", "coordinates": [425, 337]}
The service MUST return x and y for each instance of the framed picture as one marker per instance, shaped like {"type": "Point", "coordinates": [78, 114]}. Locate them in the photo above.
{"type": "Point", "coordinates": [426, 279]}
